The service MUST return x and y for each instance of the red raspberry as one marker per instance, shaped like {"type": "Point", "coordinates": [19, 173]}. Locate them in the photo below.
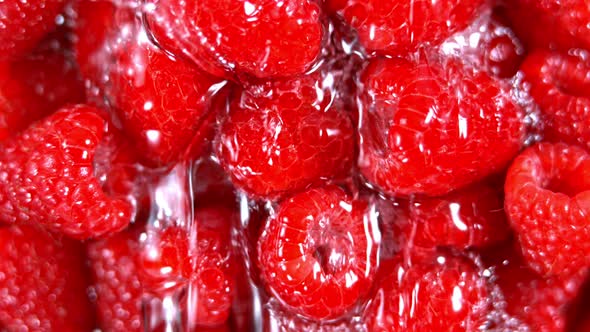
{"type": "Point", "coordinates": [36, 85]}
{"type": "Point", "coordinates": [47, 176]}
{"type": "Point", "coordinates": [441, 292]}
{"type": "Point", "coordinates": [398, 27]}
{"type": "Point", "coordinates": [43, 282]}
{"type": "Point", "coordinates": [489, 44]}
{"type": "Point", "coordinates": [201, 263]}
{"type": "Point", "coordinates": [284, 135]}
{"type": "Point", "coordinates": [548, 201]}
{"type": "Point", "coordinates": [552, 24]}
{"type": "Point", "coordinates": [471, 217]}
{"type": "Point", "coordinates": [432, 127]}
{"type": "Point", "coordinates": [116, 281]}
{"type": "Point", "coordinates": [260, 37]}
{"type": "Point", "coordinates": [24, 23]}
{"type": "Point", "coordinates": [532, 303]}
{"type": "Point", "coordinates": [164, 103]}
{"type": "Point", "coordinates": [317, 254]}
{"type": "Point", "coordinates": [502, 54]}
{"type": "Point", "coordinates": [560, 86]}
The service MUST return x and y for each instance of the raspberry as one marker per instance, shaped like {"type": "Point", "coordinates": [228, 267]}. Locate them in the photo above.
{"type": "Point", "coordinates": [116, 281]}
{"type": "Point", "coordinates": [260, 38]}
{"type": "Point", "coordinates": [201, 263]}
{"type": "Point", "coordinates": [471, 217]}
{"type": "Point", "coordinates": [316, 255]}
{"type": "Point", "coordinates": [532, 303]}
{"type": "Point", "coordinates": [489, 44]}
{"type": "Point", "coordinates": [282, 136]}
{"type": "Point", "coordinates": [164, 103]}
{"type": "Point", "coordinates": [551, 24]}
{"type": "Point", "coordinates": [37, 84]}
{"type": "Point", "coordinates": [47, 176]}
{"type": "Point", "coordinates": [548, 202]}
{"type": "Point", "coordinates": [440, 292]}
{"type": "Point", "coordinates": [560, 86]}
{"type": "Point", "coordinates": [432, 127]}
{"type": "Point", "coordinates": [43, 282]}
{"type": "Point", "coordinates": [398, 27]}
{"type": "Point", "coordinates": [502, 55]}
{"type": "Point", "coordinates": [24, 23]}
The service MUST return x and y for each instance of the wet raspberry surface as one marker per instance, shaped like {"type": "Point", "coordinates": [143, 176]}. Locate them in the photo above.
{"type": "Point", "coordinates": [294, 165]}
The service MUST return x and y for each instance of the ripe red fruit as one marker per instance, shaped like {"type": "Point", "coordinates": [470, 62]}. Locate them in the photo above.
{"type": "Point", "coordinates": [113, 262]}
{"type": "Point", "coordinates": [559, 84]}
{"type": "Point", "coordinates": [432, 127]}
{"type": "Point", "coordinates": [258, 38]}
{"type": "Point", "coordinates": [37, 84]}
{"type": "Point", "coordinates": [284, 135]}
{"type": "Point", "coordinates": [43, 282]}
{"type": "Point", "coordinates": [548, 202]}
{"type": "Point", "coordinates": [488, 44]}
{"type": "Point", "coordinates": [440, 292]}
{"type": "Point", "coordinates": [317, 254]}
{"type": "Point", "coordinates": [532, 302]}
{"type": "Point", "coordinates": [165, 104]}
{"type": "Point", "coordinates": [200, 263]}
{"type": "Point", "coordinates": [24, 23]}
{"type": "Point", "coordinates": [551, 24]}
{"type": "Point", "coordinates": [502, 54]}
{"type": "Point", "coordinates": [471, 217]}
{"type": "Point", "coordinates": [47, 176]}
{"type": "Point", "coordinates": [398, 27]}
